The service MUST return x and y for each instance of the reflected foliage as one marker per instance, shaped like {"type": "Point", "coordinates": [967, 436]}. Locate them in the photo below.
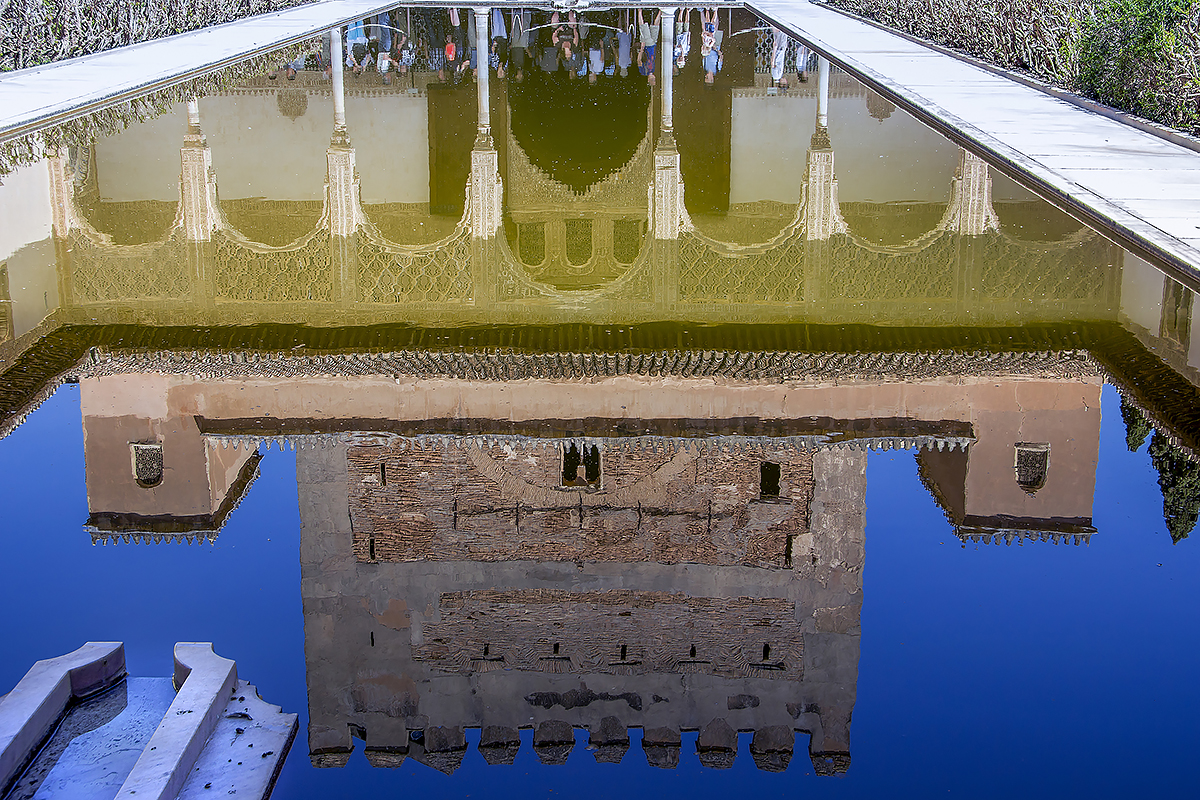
{"type": "Point", "coordinates": [1179, 479]}
{"type": "Point", "coordinates": [1136, 426]}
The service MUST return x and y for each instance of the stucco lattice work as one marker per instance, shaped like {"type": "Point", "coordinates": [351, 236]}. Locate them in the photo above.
{"type": "Point", "coordinates": [302, 274]}
{"type": "Point", "coordinates": [391, 275]}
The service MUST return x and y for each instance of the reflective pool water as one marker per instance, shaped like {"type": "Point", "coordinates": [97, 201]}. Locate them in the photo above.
{"type": "Point", "coordinates": [605, 436]}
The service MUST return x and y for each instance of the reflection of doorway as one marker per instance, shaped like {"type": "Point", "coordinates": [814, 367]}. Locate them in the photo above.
{"type": "Point", "coordinates": [1176, 323]}
{"type": "Point", "coordinates": [576, 132]}
{"type": "Point", "coordinates": [453, 118]}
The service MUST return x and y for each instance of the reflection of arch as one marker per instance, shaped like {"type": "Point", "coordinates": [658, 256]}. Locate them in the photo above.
{"type": "Point", "coordinates": [578, 143]}
{"type": "Point", "coordinates": [1036, 221]}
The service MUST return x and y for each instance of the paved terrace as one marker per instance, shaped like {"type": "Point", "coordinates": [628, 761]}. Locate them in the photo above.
{"type": "Point", "coordinates": [1138, 187]}
{"type": "Point", "coordinates": [1142, 189]}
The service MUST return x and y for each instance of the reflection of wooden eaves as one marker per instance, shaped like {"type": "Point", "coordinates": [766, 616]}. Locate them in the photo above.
{"type": "Point", "coordinates": [143, 529]}
{"type": "Point", "coordinates": [739, 435]}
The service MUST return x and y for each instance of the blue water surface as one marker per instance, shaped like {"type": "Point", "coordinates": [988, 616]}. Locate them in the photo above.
{"type": "Point", "coordinates": [991, 671]}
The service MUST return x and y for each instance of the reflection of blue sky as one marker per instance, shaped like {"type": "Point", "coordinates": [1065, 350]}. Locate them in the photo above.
{"type": "Point", "coordinates": [1037, 671]}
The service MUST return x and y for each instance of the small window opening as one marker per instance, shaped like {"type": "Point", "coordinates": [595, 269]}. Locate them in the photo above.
{"type": "Point", "coordinates": [371, 547]}
{"type": "Point", "coordinates": [768, 479]}
{"type": "Point", "coordinates": [574, 457]}
{"type": "Point", "coordinates": [693, 652]}
{"type": "Point", "coordinates": [1032, 464]}
{"type": "Point", "coordinates": [147, 464]}
{"type": "Point", "coordinates": [556, 648]}
{"type": "Point", "coordinates": [624, 652]}
{"type": "Point", "coordinates": [486, 650]}
{"type": "Point", "coordinates": [766, 651]}
{"type": "Point", "coordinates": [382, 474]}
{"type": "Point", "coordinates": [372, 638]}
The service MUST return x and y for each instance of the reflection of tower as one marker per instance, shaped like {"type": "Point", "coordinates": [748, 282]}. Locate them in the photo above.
{"type": "Point", "coordinates": [822, 217]}
{"type": "Point", "coordinates": [473, 585]}
{"type": "Point", "coordinates": [197, 181]}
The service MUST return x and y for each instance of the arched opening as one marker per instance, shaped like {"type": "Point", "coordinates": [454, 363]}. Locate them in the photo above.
{"type": "Point", "coordinates": [578, 133]}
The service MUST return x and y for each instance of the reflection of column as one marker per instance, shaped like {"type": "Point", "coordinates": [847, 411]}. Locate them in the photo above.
{"type": "Point", "coordinates": [971, 212]}
{"type": "Point", "coordinates": [823, 91]}
{"type": "Point", "coordinates": [667, 208]}
{"type": "Point", "coordinates": [666, 50]}
{"type": "Point", "coordinates": [338, 62]}
{"type": "Point", "coordinates": [486, 189]}
{"type": "Point", "coordinates": [61, 190]}
{"type": "Point", "coordinates": [197, 181]}
{"type": "Point", "coordinates": [482, 16]}
{"type": "Point", "coordinates": [822, 217]}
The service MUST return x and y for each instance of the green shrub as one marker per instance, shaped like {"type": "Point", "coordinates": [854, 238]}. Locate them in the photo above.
{"type": "Point", "coordinates": [1140, 56]}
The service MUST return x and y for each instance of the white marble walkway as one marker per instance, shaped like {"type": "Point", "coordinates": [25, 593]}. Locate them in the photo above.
{"type": "Point", "coordinates": [1139, 188]}
{"type": "Point", "coordinates": [34, 98]}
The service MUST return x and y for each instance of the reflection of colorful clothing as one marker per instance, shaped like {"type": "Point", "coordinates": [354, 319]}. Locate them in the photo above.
{"type": "Point", "coordinates": [649, 33]}
{"type": "Point", "coordinates": [683, 45]}
{"type": "Point", "coordinates": [499, 29]}
{"type": "Point", "coordinates": [596, 56]}
{"type": "Point", "coordinates": [647, 65]}
{"type": "Point", "coordinates": [712, 62]}
{"type": "Point", "coordinates": [624, 48]}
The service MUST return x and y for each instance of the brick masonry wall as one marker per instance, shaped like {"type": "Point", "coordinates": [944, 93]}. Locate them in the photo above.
{"type": "Point", "coordinates": [552, 630]}
{"type": "Point", "coordinates": [500, 503]}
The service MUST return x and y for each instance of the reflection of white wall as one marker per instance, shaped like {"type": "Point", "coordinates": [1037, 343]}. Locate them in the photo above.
{"type": "Point", "coordinates": [259, 152]}
{"type": "Point", "coordinates": [769, 147]}
{"type": "Point", "coordinates": [1141, 293]}
{"type": "Point", "coordinates": [894, 160]}
{"type": "Point", "coordinates": [142, 161]}
{"type": "Point", "coordinates": [32, 284]}
{"type": "Point", "coordinates": [27, 246]}
{"type": "Point", "coordinates": [391, 146]}
{"type": "Point", "coordinates": [25, 208]}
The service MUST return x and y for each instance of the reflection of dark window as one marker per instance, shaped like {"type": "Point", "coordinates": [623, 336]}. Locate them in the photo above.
{"type": "Point", "coordinates": [147, 464]}
{"type": "Point", "coordinates": [574, 457]}
{"type": "Point", "coordinates": [1176, 313]}
{"type": "Point", "coordinates": [627, 240]}
{"type": "Point", "coordinates": [768, 480]}
{"type": "Point", "coordinates": [531, 238]}
{"type": "Point", "coordinates": [1033, 461]}
{"type": "Point", "coordinates": [579, 241]}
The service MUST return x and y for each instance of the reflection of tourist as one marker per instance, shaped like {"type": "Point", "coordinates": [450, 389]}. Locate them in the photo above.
{"type": "Point", "coordinates": [357, 55]}
{"type": "Point", "coordinates": [405, 53]}
{"type": "Point", "coordinates": [624, 46]}
{"type": "Point", "coordinates": [648, 45]}
{"type": "Point", "coordinates": [710, 45]}
{"type": "Point", "coordinates": [683, 40]}
{"type": "Point", "coordinates": [779, 48]}
{"type": "Point", "coordinates": [519, 43]}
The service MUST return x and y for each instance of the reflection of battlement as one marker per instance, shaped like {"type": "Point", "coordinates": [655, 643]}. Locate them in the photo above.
{"type": "Point", "coordinates": [583, 636]}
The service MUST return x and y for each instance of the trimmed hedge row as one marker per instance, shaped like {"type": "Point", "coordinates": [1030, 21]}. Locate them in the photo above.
{"type": "Point", "coordinates": [34, 32]}
{"type": "Point", "coordinates": [1140, 56]}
